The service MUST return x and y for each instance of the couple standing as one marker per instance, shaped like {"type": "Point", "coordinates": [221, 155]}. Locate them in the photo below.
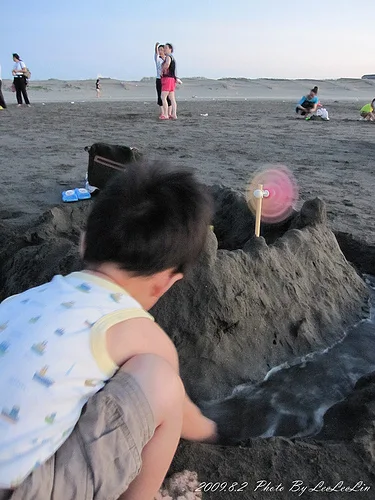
{"type": "Point", "coordinates": [166, 81]}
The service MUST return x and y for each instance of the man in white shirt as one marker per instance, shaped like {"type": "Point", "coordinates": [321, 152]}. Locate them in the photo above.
{"type": "Point", "coordinates": [2, 101]}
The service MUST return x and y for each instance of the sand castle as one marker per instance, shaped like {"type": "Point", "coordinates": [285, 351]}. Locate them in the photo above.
{"type": "Point", "coordinates": [249, 305]}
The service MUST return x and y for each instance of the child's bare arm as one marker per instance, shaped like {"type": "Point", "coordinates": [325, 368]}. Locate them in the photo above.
{"type": "Point", "coordinates": [142, 336]}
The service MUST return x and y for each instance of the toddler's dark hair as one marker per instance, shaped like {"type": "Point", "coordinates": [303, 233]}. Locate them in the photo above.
{"type": "Point", "coordinates": [149, 218]}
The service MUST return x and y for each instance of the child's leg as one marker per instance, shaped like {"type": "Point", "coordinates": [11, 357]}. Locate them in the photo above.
{"type": "Point", "coordinates": [165, 393]}
{"type": "Point", "coordinates": [116, 427]}
{"type": "Point", "coordinates": [174, 104]}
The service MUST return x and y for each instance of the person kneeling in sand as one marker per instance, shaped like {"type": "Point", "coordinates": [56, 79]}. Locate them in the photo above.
{"type": "Point", "coordinates": [308, 103]}
{"type": "Point", "coordinates": [367, 112]}
{"type": "Point", "coordinates": [86, 338]}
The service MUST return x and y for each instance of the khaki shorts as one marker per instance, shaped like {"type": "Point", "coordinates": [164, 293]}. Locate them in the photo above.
{"type": "Point", "coordinates": [102, 456]}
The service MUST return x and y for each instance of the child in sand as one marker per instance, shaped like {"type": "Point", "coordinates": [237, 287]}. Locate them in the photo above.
{"type": "Point", "coordinates": [367, 112]}
{"type": "Point", "coordinates": [86, 338]}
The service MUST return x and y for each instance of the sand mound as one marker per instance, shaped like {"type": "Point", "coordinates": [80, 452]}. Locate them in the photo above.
{"type": "Point", "coordinates": [239, 313]}
{"type": "Point", "coordinates": [246, 307]}
{"type": "Point", "coordinates": [34, 255]}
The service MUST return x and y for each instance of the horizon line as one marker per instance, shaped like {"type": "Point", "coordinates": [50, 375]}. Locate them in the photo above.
{"type": "Point", "coordinates": [149, 78]}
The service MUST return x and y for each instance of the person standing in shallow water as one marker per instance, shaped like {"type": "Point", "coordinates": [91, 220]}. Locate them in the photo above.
{"type": "Point", "coordinates": [19, 74]}
{"type": "Point", "coordinates": [159, 58]}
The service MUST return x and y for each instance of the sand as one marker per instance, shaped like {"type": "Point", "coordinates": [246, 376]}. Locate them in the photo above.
{"type": "Point", "coordinates": [42, 147]}
{"type": "Point", "coordinates": [257, 303]}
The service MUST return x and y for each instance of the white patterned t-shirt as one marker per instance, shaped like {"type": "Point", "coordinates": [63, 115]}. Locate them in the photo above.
{"type": "Point", "coordinates": [53, 357]}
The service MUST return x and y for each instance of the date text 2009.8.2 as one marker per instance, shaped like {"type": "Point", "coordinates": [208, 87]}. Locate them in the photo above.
{"type": "Point", "coordinates": [222, 486]}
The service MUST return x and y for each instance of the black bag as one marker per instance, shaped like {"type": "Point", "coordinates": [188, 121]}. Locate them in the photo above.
{"type": "Point", "coordinates": [105, 160]}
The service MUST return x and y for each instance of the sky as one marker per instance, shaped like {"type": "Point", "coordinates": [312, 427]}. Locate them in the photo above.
{"type": "Point", "coordinates": [79, 39]}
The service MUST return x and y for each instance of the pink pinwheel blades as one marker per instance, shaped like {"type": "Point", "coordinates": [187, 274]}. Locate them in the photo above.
{"type": "Point", "coordinates": [282, 193]}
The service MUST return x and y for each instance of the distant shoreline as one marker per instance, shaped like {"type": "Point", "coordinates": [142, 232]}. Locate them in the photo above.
{"type": "Point", "coordinates": [147, 79]}
{"type": "Point", "coordinates": [199, 88]}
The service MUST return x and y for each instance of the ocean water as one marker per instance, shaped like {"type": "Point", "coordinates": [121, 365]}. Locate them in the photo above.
{"type": "Point", "coordinates": [292, 399]}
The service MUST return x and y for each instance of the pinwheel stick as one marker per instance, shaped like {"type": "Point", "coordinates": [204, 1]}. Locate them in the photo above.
{"type": "Point", "coordinates": [258, 213]}
{"type": "Point", "coordinates": [259, 194]}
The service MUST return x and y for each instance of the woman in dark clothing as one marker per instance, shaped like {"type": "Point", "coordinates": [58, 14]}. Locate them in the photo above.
{"type": "Point", "coordinates": [19, 73]}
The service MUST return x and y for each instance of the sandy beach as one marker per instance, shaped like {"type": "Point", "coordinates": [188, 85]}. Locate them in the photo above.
{"type": "Point", "coordinates": [249, 124]}
{"type": "Point", "coordinates": [268, 302]}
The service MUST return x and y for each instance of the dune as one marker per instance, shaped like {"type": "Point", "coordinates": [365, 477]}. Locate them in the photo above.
{"type": "Point", "coordinates": [53, 90]}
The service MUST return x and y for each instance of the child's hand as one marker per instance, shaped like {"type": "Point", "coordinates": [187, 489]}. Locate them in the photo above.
{"type": "Point", "coordinates": [212, 432]}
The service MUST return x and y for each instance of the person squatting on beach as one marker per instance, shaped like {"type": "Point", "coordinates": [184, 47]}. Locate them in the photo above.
{"type": "Point", "coordinates": [2, 100]}
{"type": "Point", "coordinates": [87, 339]}
{"type": "Point", "coordinates": [309, 103]}
{"type": "Point", "coordinates": [98, 87]}
{"type": "Point", "coordinates": [368, 111]}
{"type": "Point", "coordinates": [168, 84]}
{"type": "Point", "coordinates": [19, 73]}
{"type": "Point", "coordinates": [159, 58]}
